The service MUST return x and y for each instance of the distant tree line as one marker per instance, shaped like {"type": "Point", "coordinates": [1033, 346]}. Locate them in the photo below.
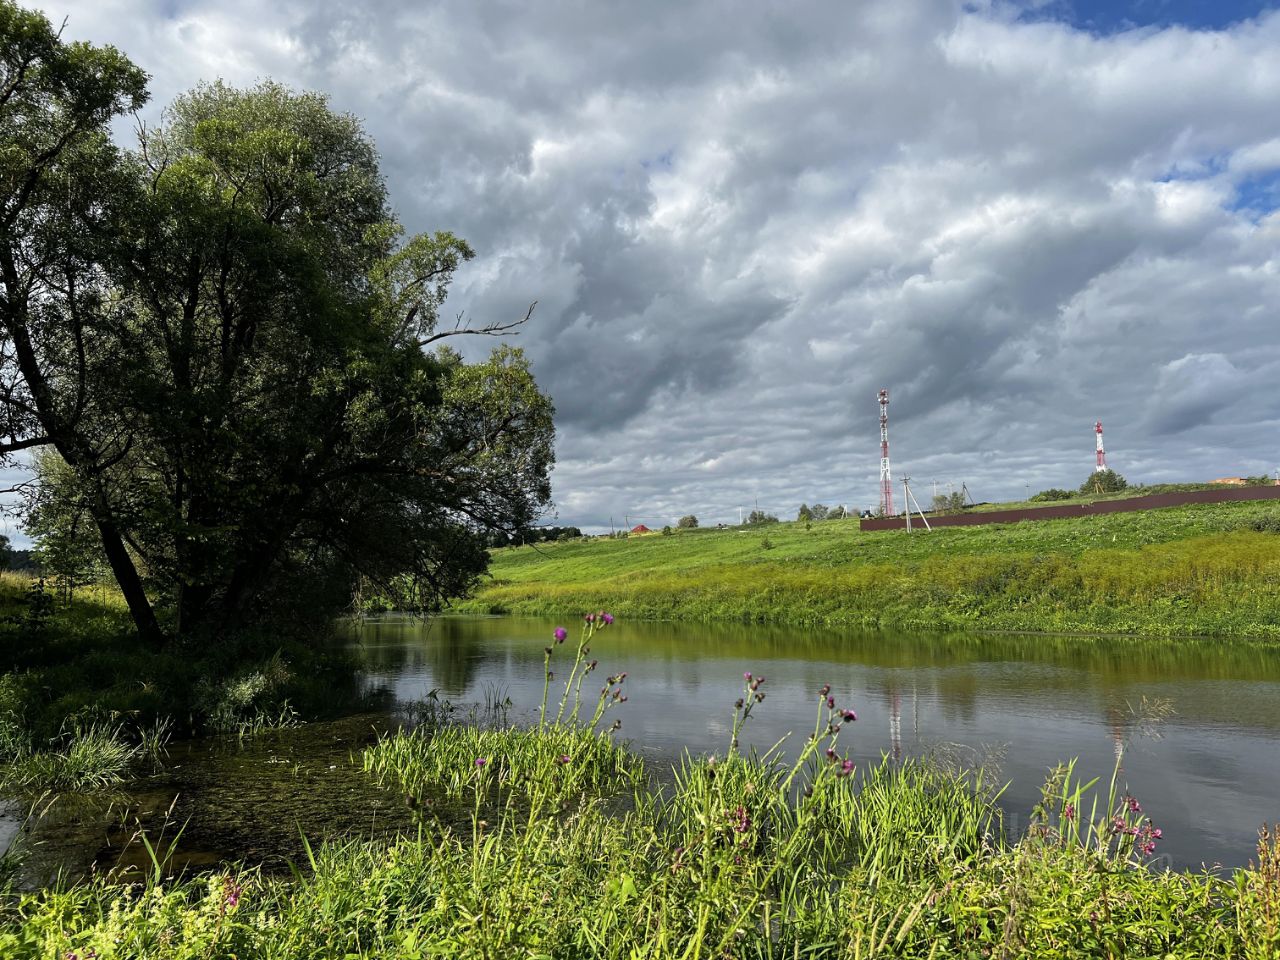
{"type": "Point", "coordinates": [501, 538]}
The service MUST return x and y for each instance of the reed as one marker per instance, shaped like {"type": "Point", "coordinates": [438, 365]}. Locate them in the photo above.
{"type": "Point", "coordinates": [737, 855]}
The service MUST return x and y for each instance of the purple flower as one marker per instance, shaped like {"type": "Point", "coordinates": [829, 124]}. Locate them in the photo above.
{"type": "Point", "coordinates": [831, 703]}
{"type": "Point", "coordinates": [607, 618]}
{"type": "Point", "coordinates": [849, 715]}
{"type": "Point", "coordinates": [564, 758]}
{"type": "Point", "coordinates": [590, 618]}
{"type": "Point", "coordinates": [481, 761]}
{"type": "Point", "coordinates": [825, 691]}
{"type": "Point", "coordinates": [560, 634]}
{"type": "Point", "coordinates": [747, 676]}
{"type": "Point", "coordinates": [1069, 812]}
{"type": "Point", "coordinates": [1134, 805]}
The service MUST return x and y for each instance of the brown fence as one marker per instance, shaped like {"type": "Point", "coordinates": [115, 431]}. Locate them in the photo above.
{"type": "Point", "coordinates": [1151, 502]}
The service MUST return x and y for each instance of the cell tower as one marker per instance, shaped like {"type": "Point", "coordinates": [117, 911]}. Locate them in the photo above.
{"type": "Point", "coordinates": [886, 483]}
{"type": "Point", "coordinates": [1102, 454]}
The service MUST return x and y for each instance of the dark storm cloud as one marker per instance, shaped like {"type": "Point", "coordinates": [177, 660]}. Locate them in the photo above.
{"type": "Point", "coordinates": [740, 220]}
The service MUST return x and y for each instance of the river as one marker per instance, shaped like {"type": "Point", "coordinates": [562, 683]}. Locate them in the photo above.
{"type": "Point", "coordinates": [1208, 773]}
{"type": "Point", "coordinates": [1202, 755]}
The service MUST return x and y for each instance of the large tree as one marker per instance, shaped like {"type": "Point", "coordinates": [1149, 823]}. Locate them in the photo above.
{"type": "Point", "coordinates": [232, 347]}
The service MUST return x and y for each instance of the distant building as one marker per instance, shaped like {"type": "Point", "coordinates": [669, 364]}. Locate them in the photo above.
{"type": "Point", "coordinates": [1230, 481]}
{"type": "Point", "coordinates": [640, 528]}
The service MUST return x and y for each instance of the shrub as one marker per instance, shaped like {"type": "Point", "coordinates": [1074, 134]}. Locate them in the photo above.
{"type": "Point", "coordinates": [1050, 495]}
{"type": "Point", "coordinates": [1104, 481]}
{"type": "Point", "coordinates": [688, 522]}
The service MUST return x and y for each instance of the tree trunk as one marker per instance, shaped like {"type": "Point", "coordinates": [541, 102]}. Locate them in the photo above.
{"type": "Point", "coordinates": [126, 574]}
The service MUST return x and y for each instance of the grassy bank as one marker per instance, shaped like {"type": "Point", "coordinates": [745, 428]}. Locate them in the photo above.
{"type": "Point", "coordinates": [84, 704]}
{"type": "Point", "coordinates": [1201, 570]}
{"type": "Point", "coordinates": [568, 848]}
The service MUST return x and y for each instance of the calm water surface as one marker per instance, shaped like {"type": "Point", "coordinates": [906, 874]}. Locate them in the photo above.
{"type": "Point", "coordinates": [1208, 775]}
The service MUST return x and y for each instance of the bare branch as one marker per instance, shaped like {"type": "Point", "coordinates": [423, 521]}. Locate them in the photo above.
{"type": "Point", "coordinates": [489, 330]}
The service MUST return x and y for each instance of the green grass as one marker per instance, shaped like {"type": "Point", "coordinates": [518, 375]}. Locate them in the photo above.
{"type": "Point", "coordinates": [82, 701]}
{"type": "Point", "coordinates": [1200, 570]}
{"type": "Point", "coordinates": [739, 855]}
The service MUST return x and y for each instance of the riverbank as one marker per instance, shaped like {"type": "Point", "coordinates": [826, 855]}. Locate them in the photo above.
{"type": "Point", "coordinates": [566, 847]}
{"type": "Point", "coordinates": [1205, 570]}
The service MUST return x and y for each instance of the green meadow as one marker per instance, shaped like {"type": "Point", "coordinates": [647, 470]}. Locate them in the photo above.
{"type": "Point", "coordinates": [1208, 570]}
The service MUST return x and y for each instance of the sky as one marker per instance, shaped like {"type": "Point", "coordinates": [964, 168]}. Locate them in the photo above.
{"type": "Point", "coordinates": [739, 220]}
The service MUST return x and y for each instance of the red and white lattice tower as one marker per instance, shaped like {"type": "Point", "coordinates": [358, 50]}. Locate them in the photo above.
{"type": "Point", "coordinates": [886, 482]}
{"type": "Point", "coordinates": [1102, 454]}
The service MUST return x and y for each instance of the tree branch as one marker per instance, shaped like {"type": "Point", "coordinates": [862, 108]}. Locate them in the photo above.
{"type": "Point", "coordinates": [489, 330]}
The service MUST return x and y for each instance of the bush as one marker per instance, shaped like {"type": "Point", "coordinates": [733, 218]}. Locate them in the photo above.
{"type": "Point", "coordinates": [1051, 495]}
{"type": "Point", "coordinates": [1103, 481]}
{"type": "Point", "coordinates": [688, 522]}
{"type": "Point", "coordinates": [759, 517]}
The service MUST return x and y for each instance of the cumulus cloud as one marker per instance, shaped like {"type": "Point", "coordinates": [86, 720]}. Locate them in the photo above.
{"type": "Point", "coordinates": [741, 220]}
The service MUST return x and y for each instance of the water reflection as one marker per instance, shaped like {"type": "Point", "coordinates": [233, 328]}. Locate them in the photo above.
{"type": "Point", "coordinates": [1209, 779]}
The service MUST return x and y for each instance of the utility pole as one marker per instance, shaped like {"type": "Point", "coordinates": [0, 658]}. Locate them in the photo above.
{"type": "Point", "coordinates": [908, 498]}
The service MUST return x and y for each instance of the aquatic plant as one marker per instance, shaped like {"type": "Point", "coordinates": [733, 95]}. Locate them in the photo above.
{"type": "Point", "coordinates": [743, 854]}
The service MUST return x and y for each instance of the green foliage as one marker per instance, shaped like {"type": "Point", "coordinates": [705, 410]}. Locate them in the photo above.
{"type": "Point", "coordinates": [80, 666]}
{"type": "Point", "coordinates": [804, 513]}
{"type": "Point", "coordinates": [1191, 571]}
{"type": "Point", "coordinates": [1103, 481]}
{"type": "Point", "coordinates": [666, 530]}
{"type": "Point", "coordinates": [949, 502]}
{"type": "Point", "coordinates": [759, 518]}
{"type": "Point", "coordinates": [688, 522]}
{"type": "Point", "coordinates": [1052, 495]}
{"type": "Point", "coordinates": [239, 363]}
{"type": "Point", "coordinates": [737, 855]}
{"type": "Point", "coordinates": [85, 758]}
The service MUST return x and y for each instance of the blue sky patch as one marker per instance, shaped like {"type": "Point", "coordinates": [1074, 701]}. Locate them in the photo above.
{"type": "Point", "coordinates": [1107, 17]}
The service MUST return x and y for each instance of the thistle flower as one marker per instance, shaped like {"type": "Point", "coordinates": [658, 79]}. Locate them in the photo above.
{"type": "Point", "coordinates": [825, 691]}
{"type": "Point", "coordinates": [564, 758]}
{"type": "Point", "coordinates": [607, 618]}
{"type": "Point", "coordinates": [747, 676]}
{"type": "Point", "coordinates": [481, 761]}
{"type": "Point", "coordinates": [849, 716]}
{"type": "Point", "coordinates": [560, 634]}
{"type": "Point", "coordinates": [831, 703]}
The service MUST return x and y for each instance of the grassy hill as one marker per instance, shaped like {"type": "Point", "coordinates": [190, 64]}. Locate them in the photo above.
{"type": "Point", "coordinates": [1198, 570]}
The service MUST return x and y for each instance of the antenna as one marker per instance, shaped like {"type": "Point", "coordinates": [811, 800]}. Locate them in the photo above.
{"type": "Point", "coordinates": [1102, 454]}
{"type": "Point", "coordinates": [886, 484]}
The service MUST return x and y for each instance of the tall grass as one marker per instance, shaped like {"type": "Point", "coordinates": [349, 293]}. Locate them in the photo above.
{"type": "Point", "coordinates": [741, 855]}
{"type": "Point", "coordinates": [1201, 570]}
